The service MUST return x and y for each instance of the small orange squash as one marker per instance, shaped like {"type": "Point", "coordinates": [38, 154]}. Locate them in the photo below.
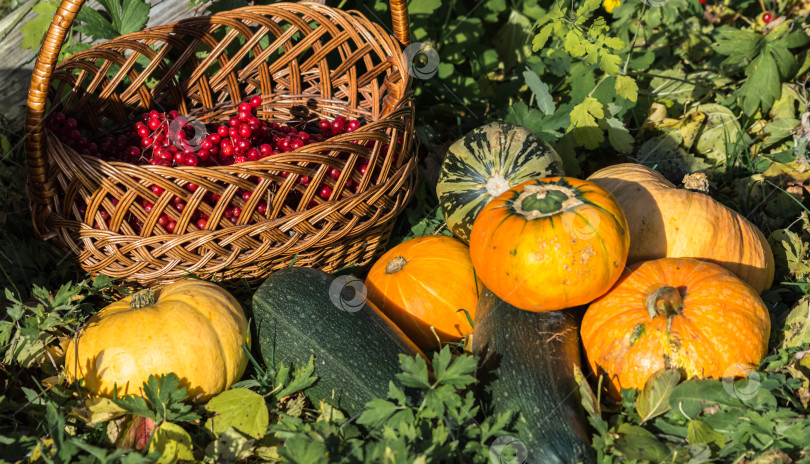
{"type": "Point", "coordinates": [424, 282]}
{"type": "Point", "coordinates": [666, 222]}
{"type": "Point", "coordinates": [550, 243]}
{"type": "Point", "coordinates": [675, 313]}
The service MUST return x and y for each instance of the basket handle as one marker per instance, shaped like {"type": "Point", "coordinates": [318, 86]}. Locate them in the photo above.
{"type": "Point", "coordinates": [400, 21]}
{"type": "Point", "coordinates": [41, 187]}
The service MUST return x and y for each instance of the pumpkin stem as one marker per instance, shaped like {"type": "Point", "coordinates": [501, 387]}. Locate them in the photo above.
{"type": "Point", "coordinates": [666, 301]}
{"type": "Point", "coordinates": [542, 200]}
{"type": "Point", "coordinates": [142, 299]}
{"type": "Point", "coordinates": [545, 202]}
{"type": "Point", "coordinates": [497, 184]}
{"type": "Point", "coordinates": [395, 265]}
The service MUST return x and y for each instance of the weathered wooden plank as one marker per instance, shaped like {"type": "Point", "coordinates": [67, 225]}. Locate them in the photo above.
{"type": "Point", "coordinates": [16, 64]}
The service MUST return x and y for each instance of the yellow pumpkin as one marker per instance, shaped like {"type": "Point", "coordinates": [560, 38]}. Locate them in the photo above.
{"type": "Point", "coordinates": [666, 222]}
{"type": "Point", "coordinates": [423, 283]}
{"type": "Point", "coordinates": [192, 328]}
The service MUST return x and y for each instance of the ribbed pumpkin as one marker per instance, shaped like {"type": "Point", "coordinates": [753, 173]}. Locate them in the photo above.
{"type": "Point", "coordinates": [550, 244]}
{"type": "Point", "coordinates": [675, 313]}
{"type": "Point", "coordinates": [485, 163]}
{"type": "Point", "coordinates": [424, 282]}
{"type": "Point", "coordinates": [676, 223]}
{"type": "Point", "coordinates": [192, 328]}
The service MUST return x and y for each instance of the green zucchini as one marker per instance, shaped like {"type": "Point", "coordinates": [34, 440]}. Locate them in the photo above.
{"type": "Point", "coordinates": [526, 362]}
{"type": "Point", "coordinates": [300, 312]}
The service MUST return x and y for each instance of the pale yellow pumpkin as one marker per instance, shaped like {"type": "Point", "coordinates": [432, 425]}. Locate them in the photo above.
{"type": "Point", "coordinates": [667, 222]}
{"type": "Point", "coordinates": [192, 328]}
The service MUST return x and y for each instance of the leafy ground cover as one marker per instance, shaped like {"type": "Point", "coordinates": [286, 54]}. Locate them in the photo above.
{"type": "Point", "coordinates": [680, 85]}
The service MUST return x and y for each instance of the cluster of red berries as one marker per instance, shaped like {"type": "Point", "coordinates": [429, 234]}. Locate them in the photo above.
{"type": "Point", "coordinates": [170, 139]}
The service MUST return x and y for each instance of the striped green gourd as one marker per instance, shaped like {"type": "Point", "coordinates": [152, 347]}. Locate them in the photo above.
{"type": "Point", "coordinates": [486, 162]}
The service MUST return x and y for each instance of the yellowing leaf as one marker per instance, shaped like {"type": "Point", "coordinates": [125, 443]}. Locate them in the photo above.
{"type": "Point", "coordinates": [654, 399]}
{"type": "Point", "coordinates": [172, 442]}
{"type": "Point", "coordinates": [240, 408]}
{"type": "Point", "coordinates": [542, 37]}
{"type": "Point", "coordinates": [614, 43]}
{"type": "Point", "coordinates": [626, 87]}
{"type": "Point", "coordinates": [797, 323]}
{"type": "Point", "coordinates": [574, 45]}
{"type": "Point", "coordinates": [690, 127]}
{"type": "Point", "coordinates": [97, 410]}
{"type": "Point", "coordinates": [699, 432]}
{"type": "Point", "coordinates": [609, 62]}
{"type": "Point", "coordinates": [584, 124]}
{"type": "Point", "coordinates": [587, 112]}
{"type": "Point", "coordinates": [231, 446]}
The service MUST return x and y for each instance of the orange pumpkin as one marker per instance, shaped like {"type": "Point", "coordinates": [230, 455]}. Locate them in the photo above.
{"type": "Point", "coordinates": [666, 222]}
{"type": "Point", "coordinates": [424, 282]}
{"type": "Point", "coordinates": [675, 313]}
{"type": "Point", "coordinates": [550, 243]}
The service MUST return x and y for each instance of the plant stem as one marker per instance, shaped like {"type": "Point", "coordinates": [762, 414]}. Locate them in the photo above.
{"type": "Point", "coordinates": [635, 36]}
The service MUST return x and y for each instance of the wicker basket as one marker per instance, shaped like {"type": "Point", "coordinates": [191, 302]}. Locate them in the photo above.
{"type": "Point", "coordinates": [307, 61]}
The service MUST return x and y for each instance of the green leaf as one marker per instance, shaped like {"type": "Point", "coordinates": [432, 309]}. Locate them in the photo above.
{"type": "Point", "coordinates": [455, 372]}
{"type": "Point", "coordinates": [626, 87]}
{"type": "Point", "coordinates": [691, 397]}
{"type": "Point", "coordinates": [34, 29]}
{"type": "Point", "coordinates": [540, 90]}
{"type": "Point", "coordinates": [414, 371]}
{"type": "Point", "coordinates": [739, 45]}
{"type": "Point", "coordinates": [95, 25]}
{"type": "Point", "coordinates": [700, 433]}
{"type": "Point", "coordinates": [618, 135]}
{"type": "Point", "coordinates": [654, 399]}
{"type": "Point", "coordinates": [763, 86]}
{"type": "Point", "coordinates": [240, 408]}
{"type": "Point", "coordinates": [423, 7]}
{"type": "Point", "coordinates": [377, 412]}
{"type": "Point", "coordinates": [302, 379]}
{"type": "Point", "coordinates": [512, 40]}
{"type": "Point", "coordinates": [520, 114]}
{"type": "Point", "coordinates": [638, 443]}
{"type": "Point", "coordinates": [172, 442]}
{"type": "Point", "coordinates": [778, 130]}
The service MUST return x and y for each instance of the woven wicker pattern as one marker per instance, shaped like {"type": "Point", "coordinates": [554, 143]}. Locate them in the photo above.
{"type": "Point", "coordinates": [308, 61]}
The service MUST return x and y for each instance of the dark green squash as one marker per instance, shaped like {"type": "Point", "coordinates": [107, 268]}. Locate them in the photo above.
{"type": "Point", "coordinates": [300, 312]}
{"type": "Point", "coordinates": [526, 365]}
{"type": "Point", "coordinates": [486, 162]}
